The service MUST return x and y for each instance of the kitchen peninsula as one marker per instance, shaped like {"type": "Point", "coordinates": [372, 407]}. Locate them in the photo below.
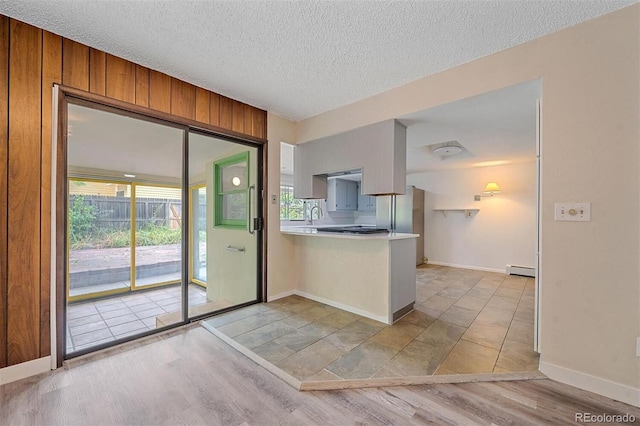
{"type": "Point", "coordinates": [372, 275]}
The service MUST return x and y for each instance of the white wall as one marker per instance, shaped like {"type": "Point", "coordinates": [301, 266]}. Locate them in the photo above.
{"type": "Point", "coordinates": [502, 232]}
{"type": "Point", "coordinates": [590, 300]}
{"type": "Point", "coordinates": [281, 274]}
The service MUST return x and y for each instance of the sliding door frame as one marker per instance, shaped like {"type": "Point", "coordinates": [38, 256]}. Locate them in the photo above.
{"type": "Point", "coordinates": [66, 95]}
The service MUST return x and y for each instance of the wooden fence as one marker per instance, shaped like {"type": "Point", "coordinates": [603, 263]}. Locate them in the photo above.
{"type": "Point", "coordinates": [115, 212]}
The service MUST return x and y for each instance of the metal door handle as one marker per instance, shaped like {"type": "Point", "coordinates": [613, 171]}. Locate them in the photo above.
{"type": "Point", "coordinates": [238, 249]}
{"type": "Point", "coordinates": [251, 231]}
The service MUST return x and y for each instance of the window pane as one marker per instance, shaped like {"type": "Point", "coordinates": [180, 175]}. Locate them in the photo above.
{"type": "Point", "coordinates": [234, 206]}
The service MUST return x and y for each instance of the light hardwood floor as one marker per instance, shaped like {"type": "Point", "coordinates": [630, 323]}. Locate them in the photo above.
{"type": "Point", "coordinates": [188, 376]}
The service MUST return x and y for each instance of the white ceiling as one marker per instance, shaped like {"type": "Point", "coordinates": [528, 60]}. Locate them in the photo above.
{"type": "Point", "coordinates": [99, 140]}
{"type": "Point", "coordinates": [495, 128]}
{"type": "Point", "coordinates": [301, 58]}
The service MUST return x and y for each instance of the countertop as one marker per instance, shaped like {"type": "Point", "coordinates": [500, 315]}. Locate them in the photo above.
{"type": "Point", "coordinates": [308, 231]}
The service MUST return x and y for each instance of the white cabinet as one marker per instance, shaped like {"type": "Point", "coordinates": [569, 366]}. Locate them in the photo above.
{"type": "Point", "coordinates": [379, 150]}
{"type": "Point", "coordinates": [366, 203]}
{"type": "Point", "coordinates": [342, 195]}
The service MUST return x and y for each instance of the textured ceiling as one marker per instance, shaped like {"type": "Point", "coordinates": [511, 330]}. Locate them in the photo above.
{"type": "Point", "coordinates": [301, 58]}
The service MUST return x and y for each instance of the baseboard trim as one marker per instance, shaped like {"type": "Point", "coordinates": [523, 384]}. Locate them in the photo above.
{"type": "Point", "coordinates": [604, 387]}
{"type": "Point", "coordinates": [476, 268]}
{"type": "Point", "coordinates": [24, 370]}
{"type": "Point", "coordinates": [280, 295]}
{"type": "Point", "coordinates": [338, 305]}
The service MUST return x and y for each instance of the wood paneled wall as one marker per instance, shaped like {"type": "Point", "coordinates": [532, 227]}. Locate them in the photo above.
{"type": "Point", "coordinates": [31, 62]}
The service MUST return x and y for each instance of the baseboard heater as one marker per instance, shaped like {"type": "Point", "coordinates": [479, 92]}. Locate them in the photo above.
{"type": "Point", "coordinates": [521, 270]}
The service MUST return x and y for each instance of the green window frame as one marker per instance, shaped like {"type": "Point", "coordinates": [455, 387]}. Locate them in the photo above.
{"type": "Point", "coordinates": [222, 195]}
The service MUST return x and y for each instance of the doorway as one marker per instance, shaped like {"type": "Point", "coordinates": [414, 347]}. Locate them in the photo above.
{"type": "Point", "coordinates": [159, 224]}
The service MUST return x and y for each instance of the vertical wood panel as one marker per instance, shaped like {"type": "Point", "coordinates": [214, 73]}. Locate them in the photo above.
{"type": "Point", "coordinates": [23, 316]}
{"type": "Point", "coordinates": [97, 72]}
{"type": "Point", "coordinates": [237, 121]}
{"type": "Point", "coordinates": [248, 119]}
{"type": "Point", "coordinates": [259, 123]}
{"type": "Point", "coordinates": [75, 65]}
{"type": "Point", "coordinates": [202, 105]}
{"type": "Point", "coordinates": [226, 112]}
{"type": "Point", "coordinates": [214, 109]}
{"type": "Point", "coordinates": [51, 73]}
{"type": "Point", "coordinates": [4, 147]}
{"type": "Point", "coordinates": [142, 86]}
{"type": "Point", "coordinates": [159, 91]}
{"type": "Point", "coordinates": [183, 99]}
{"type": "Point", "coordinates": [121, 79]}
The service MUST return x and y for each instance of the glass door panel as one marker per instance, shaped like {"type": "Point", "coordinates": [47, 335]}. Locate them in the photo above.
{"type": "Point", "coordinates": [226, 174]}
{"type": "Point", "coordinates": [125, 227]}
{"type": "Point", "coordinates": [158, 235]}
{"type": "Point", "coordinates": [99, 238]}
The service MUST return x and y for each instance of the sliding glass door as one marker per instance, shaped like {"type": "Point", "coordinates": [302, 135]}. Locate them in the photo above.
{"type": "Point", "coordinates": [160, 225]}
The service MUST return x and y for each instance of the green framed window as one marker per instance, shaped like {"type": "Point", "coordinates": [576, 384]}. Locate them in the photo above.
{"type": "Point", "coordinates": [231, 176]}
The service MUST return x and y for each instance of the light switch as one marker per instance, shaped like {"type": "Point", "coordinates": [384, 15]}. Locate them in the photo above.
{"type": "Point", "coordinates": [274, 198]}
{"type": "Point", "coordinates": [573, 212]}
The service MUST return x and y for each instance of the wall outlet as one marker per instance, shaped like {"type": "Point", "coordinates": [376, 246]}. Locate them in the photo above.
{"type": "Point", "coordinates": [573, 212]}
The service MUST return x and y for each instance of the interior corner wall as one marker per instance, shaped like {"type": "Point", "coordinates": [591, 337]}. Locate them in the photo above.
{"type": "Point", "coordinates": [590, 296]}
{"type": "Point", "coordinates": [281, 268]}
{"type": "Point", "coordinates": [502, 233]}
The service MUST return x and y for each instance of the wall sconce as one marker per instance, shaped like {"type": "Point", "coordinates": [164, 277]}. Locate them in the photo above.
{"type": "Point", "coordinates": [488, 191]}
{"type": "Point", "coordinates": [235, 181]}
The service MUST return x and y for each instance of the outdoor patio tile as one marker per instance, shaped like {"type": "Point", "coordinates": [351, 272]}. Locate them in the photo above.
{"type": "Point", "coordinates": [173, 307]}
{"type": "Point", "coordinates": [127, 327]}
{"type": "Point", "coordinates": [91, 338]}
{"type": "Point", "coordinates": [150, 313]}
{"type": "Point", "coordinates": [83, 320]}
{"type": "Point", "coordinates": [143, 307]}
{"type": "Point", "coordinates": [96, 343]}
{"type": "Point", "coordinates": [161, 295]}
{"type": "Point", "coordinates": [87, 328]}
{"type": "Point", "coordinates": [136, 301]}
{"type": "Point", "coordinates": [74, 312]}
{"type": "Point", "coordinates": [116, 313]}
{"type": "Point", "coordinates": [168, 301]}
{"type": "Point", "coordinates": [111, 307]}
{"type": "Point", "coordinates": [106, 302]}
{"type": "Point", "coordinates": [120, 320]}
{"type": "Point", "coordinates": [150, 322]}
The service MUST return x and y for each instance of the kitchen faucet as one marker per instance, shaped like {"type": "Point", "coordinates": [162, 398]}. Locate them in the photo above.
{"type": "Point", "coordinates": [311, 213]}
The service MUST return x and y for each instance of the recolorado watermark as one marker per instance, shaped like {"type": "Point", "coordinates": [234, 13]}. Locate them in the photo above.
{"type": "Point", "coordinates": [604, 418]}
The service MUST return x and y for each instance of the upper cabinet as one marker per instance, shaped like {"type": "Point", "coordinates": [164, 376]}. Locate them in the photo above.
{"type": "Point", "coordinates": [379, 150]}
{"type": "Point", "coordinates": [342, 195]}
{"type": "Point", "coordinates": [366, 203]}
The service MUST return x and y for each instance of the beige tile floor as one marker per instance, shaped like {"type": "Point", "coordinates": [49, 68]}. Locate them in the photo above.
{"type": "Point", "coordinates": [464, 322]}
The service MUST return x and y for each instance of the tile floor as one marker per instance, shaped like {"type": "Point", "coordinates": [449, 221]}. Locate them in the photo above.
{"type": "Point", "coordinates": [91, 323]}
{"type": "Point", "coordinates": [464, 322]}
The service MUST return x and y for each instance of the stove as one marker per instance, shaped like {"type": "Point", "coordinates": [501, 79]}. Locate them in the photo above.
{"type": "Point", "coordinates": [357, 229]}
